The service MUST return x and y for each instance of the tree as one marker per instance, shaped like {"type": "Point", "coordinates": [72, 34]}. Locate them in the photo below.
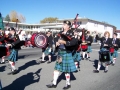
{"type": "Point", "coordinates": [14, 16]}
{"type": "Point", "coordinates": [7, 18]}
{"type": "Point", "coordinates": [49, 20]}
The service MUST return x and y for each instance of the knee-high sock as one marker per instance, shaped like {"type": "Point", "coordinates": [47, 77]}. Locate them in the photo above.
{"type": "Point", "coordinates": [76, 64]}
{"type": "Point", "coordinates": [3, 59]}
{"type": "Point", "coordinates": [67, 75]}
{"type": "Point", "coordinates": [106, 66]}
{"type": "Point", "coordinates": [83, 54]}
{"type": "Point", "coordinates": [114, 59]}
{"type": "Point", "coordinates": [55, 77]}
{"type": "Point", "coordinates": [12, 65]}
{"type": "Point", "coordinates": [88, 55]}
{"type": "Point", "coordinates": [99, 65]}
{"type": "Point", "coordinates": [49, 56]}
{"type": "Point", "coordinates": [43, 56]}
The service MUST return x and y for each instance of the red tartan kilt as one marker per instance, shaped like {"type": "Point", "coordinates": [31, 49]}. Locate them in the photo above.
{"type": "Point", "coordinates": [84, 47]}
{"type": "Point", "coordinates": [111, 50]}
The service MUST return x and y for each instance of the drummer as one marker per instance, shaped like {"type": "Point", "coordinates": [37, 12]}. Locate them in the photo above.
{"type": "Point", "coordinates": [88, 41]}
{"type": "Point", "coordinates": [105, 45]}
{"type": "Point", "coordinates": [115, 44]}
{"type": "Point", "coordinates": [48, 50]}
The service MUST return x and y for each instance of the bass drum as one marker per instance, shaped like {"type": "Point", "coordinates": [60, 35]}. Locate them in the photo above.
{"type": "Point", "coordinates": [39, 40]}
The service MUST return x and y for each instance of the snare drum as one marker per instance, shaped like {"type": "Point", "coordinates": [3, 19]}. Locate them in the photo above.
{"type": "Point", "coordinates": [104, 55]}
{"type": "Point", "coordinates": [111, 50]}
{"type": "Point", "coordinates": [84, 47]}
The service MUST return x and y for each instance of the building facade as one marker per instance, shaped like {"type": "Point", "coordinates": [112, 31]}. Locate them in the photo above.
{"type": "Point", "coordinates": [91, 25]}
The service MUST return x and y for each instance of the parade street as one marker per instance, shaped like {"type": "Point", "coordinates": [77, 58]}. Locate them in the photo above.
{"type": "Point", "coordinates": [35, 76]}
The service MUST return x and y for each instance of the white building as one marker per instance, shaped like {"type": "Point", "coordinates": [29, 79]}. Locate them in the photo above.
{"type": "Point", "coordinates": [89, 24]}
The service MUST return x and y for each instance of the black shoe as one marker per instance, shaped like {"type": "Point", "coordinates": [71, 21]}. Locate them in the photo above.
{"type": "Point", "coordinates": [2, 62]}
{"type": "Point", "coordinates": [76, 71]}
{"type": "Point", "coordinates": [82, 58]}
{"type": "Point", "coordinates": [105, 71]}
{"type": "Point", "coordinates": [14, 72]}
{"type": "Point", "coordinates": [95, 71]}
{"type": "Point", "coordinates": [49, 62]}
{"type": "Point", "coordinates": [42, 62]}
{"type": "Point", "coordinates": [67, 87]}
{"type": "Point", "coordinates": [51, 86]}
{"type": "Point", "coordinates": [88, 57]}
{"type": "Point", "coordinates": [113, 64]}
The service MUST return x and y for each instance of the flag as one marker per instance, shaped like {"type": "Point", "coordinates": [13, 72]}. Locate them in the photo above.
{"type": "Point", "coordinates": [1, 22]}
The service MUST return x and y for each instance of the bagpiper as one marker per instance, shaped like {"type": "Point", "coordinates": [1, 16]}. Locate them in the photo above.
{"type": "Point", "coordinates": [13, 44]}
{"type": "Point", "coordinates": [65, 62]}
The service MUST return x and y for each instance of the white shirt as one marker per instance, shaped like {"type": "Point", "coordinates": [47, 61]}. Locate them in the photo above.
{"type": "Point", "coordinates": [29, 35]}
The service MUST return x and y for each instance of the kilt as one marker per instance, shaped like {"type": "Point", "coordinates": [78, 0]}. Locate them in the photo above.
{"type": "Point", "coordinates": [46, 51]}
{"type": "Point", "coordinates": [115, 54]}
{"type": "Point", "coordinates": [13, 55]}
{"type": "Point", "coordinates": [89, 49]}
{"type": "Point", "coordinates": [67, 64]}
{"type": "Point", "coordinates": [110, 57]}
{"type": "Point", "coordinates": [76, 56]}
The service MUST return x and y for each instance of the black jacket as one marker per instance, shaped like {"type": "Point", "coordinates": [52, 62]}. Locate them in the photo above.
{"type": "Point", "coordinates": [50, 41]}
{"type": "Point", "coordinates": [14, 41]}
{"type": "Point", "coordinates": [115, 42]}
{"type": "Point", "coordinates": [89, 38]}
{"type": "Point", "coordinates": [70, 44]}
{"type": "Point", "coordinates": [104, 41]}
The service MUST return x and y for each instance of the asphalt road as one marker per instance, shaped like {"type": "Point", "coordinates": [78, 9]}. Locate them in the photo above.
{"type": "Point", "coordinates": [34, 76]}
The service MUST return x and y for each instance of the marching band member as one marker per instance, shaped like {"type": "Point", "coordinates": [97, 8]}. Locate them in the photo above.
{"type": "Point", "coordinates": [13, 44]}
{"type": "Point", "coordinates": [48, 49]}
{"type": "Point", "coordinates": [89, 40]}
{"type": "Point", "coordinates": [2, 49]}
{"type": "Point", "coordinates": [115, 43]}
{"type": "Point", "coordinates": [65, 62]}
{"type": "Point", "coordinates": [104, 50]}
{"type": "Point", "coordinates": [76, 53]}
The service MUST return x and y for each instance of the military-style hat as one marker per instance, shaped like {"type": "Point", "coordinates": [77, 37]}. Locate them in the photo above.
{"type": "Point", "coordinates": [67, 22]}
{"type": "Point", "coordinates": [11, 29]}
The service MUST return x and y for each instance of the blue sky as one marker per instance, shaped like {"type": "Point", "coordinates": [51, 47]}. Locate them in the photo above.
{"type": "Point", "coordinates": [36, 10]}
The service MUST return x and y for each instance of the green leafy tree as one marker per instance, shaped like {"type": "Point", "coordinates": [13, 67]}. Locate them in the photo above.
{"type": "Point", "coordinates": [7, 18]}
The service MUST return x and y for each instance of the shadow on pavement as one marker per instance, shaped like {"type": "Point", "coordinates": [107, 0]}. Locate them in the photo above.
{"type": "Point", "coordinates": [96, 64]}
{"type": "Point", "coordinates": [26, 65]}
{"type": "Point", "coordinates": [23, 81]}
